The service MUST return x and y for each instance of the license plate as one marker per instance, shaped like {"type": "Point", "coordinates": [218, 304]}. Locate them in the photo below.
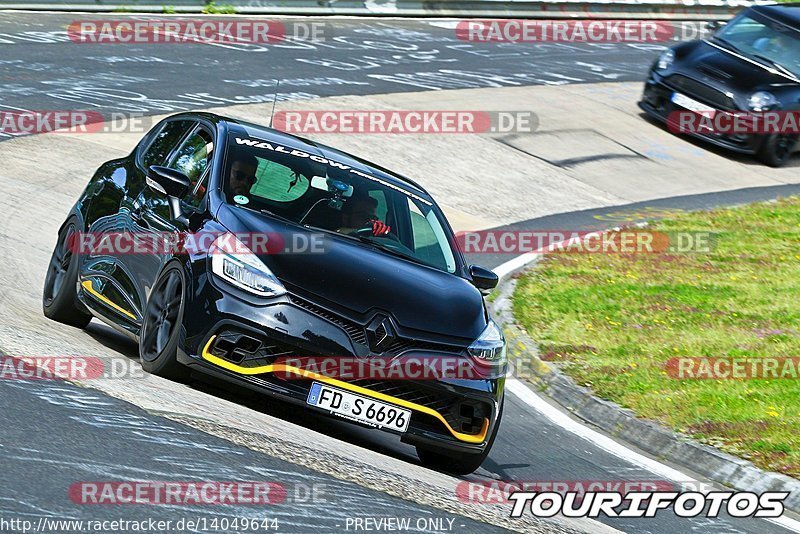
{"type": "Point", "coordinates": [357, 408]}
{"type": "Point", "coordinates": [692, 105]}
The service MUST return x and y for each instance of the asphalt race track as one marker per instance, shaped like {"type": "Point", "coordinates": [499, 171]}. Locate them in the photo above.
{"type": "Point", "coordinates": [54, 435]}
{"type": "Point", "coordinates": [42, 69]}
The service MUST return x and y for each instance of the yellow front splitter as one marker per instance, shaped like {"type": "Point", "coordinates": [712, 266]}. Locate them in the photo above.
{"type": "Point", "coordinates": [468, 438]}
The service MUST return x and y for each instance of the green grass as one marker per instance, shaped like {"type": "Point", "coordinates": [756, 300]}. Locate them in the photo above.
{"type": "Point", "coordinates": [613, 321]}
{"type": "Point", "coordinates": [211, 8]}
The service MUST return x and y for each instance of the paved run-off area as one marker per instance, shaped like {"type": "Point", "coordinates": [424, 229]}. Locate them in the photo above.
{"type": "Point", "coordinates": [591, 154]}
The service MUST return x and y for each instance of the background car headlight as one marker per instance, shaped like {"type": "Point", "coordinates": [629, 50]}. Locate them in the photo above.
{"type": "Point", "coordinates": [490, 347]}
{"type": "Point", "coordinates": [233, 262]}
{"type": "Point", "coordinates": [762, 101]}
{"type": "Point", "coordinates": [666, 59]}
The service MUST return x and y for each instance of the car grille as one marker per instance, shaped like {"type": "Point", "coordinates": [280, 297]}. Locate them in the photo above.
{"type": "Point", "coordinates": [358, 334]}
{"type": "Point", "coordinates": [353, 329]}
{"type": "Point", "coordinates": [707, 94]}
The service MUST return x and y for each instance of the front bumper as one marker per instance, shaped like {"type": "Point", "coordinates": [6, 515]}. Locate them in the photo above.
{"type": "Point", "coordinates": [657, 102]}
{"type": "Point", "coordinates": [241, 340]}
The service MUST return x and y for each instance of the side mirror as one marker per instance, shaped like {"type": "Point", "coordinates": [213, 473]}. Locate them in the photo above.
{"type": "Point", "coordinates": [483, 278]}
{"type": "Point", "coordinates": [170, 183]}
{"type": "Point", "coordinates": [714, 25]}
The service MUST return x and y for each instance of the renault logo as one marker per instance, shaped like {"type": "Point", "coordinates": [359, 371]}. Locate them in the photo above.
{"type": "Point", "coordinates": [380, 333]}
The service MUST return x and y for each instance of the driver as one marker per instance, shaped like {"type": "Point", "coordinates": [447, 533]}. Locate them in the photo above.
{"type": "Point", "coordinates": [781, 47]}
{"type": "Point", "coordinates": [785, 48]}
{"type": "Point", "coordinates": [360, 212]}
{"type": "Point", "coordinates": [242, 174]}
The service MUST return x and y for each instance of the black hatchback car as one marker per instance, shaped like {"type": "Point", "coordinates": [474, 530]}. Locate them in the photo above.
{"type": "Point", "coordinates": [382, 282]}
{"type": "Point", "coordinates": [751, 64]}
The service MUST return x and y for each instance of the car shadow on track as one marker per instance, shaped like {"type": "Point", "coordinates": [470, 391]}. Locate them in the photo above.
{"type": "Point", "coordinates": [107, 336]}
{"type": "Point", "coordinates": [374, 440]}
{"type": "Point", "coordinates": [744, 159]}
{"type": "Point", "coordinates": [368, 438]}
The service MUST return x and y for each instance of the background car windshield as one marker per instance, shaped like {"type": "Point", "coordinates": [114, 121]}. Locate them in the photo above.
{"type": "Point", "coordinates": [770, 40]}
{"type": "Point", "coordinates": [329, 197]}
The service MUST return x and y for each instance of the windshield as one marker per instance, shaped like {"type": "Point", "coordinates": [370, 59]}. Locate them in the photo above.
{"type": "Point", "coordinates": [310, 190]}
{"type": "Point", "coordinates": [764, 40]}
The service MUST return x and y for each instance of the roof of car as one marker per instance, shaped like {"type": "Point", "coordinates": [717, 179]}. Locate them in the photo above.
{"type": "Point", "coordinates": [300, 143]}
{"type": "Point", "coordinates": [788, 14]}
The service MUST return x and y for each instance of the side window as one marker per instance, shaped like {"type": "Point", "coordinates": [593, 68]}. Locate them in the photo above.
{"type": "Point", "coordinates": [160, 148]}
{"type": "Point", "coordinates": [193, 159]}
{"type": "Point", "coordinates": [194, 155]}
{"type": "Point", "coordinates": [278, 183]}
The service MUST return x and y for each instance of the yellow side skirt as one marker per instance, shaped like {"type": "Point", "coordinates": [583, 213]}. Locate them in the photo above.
{"type": "Point", "coordinates": [87, 285]}
{"type": "Point", "coordinates": [344, 385]}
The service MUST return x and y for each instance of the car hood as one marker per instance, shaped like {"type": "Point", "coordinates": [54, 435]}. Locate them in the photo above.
{"type": "Point", "coordinates": [725, 70]}
{"type": "Point", "coordinates": [362, 280]}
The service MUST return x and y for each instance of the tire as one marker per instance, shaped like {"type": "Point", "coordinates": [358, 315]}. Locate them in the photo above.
{"type": "Point", "coordinates": [776, 150]}
{"type": "Point", "coordinates": [456, 463]}
{"type": "Point", "coordinates": [60, 294]}
{"type": "Point", "coordinates": [161, 326]}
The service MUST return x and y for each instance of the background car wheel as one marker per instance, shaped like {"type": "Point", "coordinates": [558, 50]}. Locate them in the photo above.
{"type": "Point", "coordinates": [60, 296]}
{"type": "Point", "coordinates": [776, 150]}
{"type": "Point", "coordinates": [456, 463]}
{"type": "Point", "coordinates": [161, 327]}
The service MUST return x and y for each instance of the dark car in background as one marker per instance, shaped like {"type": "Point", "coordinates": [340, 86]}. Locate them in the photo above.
{"type": "Point", "coordinates": [750, 64]}
{"type": "Point", "coordinates": [388, 283]}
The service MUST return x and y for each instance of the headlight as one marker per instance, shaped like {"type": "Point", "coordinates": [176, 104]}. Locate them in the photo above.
{"type": "Point", "coordinates": [762, 101]}
{"type": "Point", "coordinates": [233, 262]}
{"type": "Point", "coordinates": [666, 59]}
{"type": "Point", "coordinates": [490, 347]}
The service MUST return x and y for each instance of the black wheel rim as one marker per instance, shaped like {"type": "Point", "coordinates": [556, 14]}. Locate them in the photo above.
{"type": "Point", "coordinates": [59, 265]}
{"type": "Point", "coordinates": [161, 317]}
{"type": "Point", "coordinates": [783, 146]}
